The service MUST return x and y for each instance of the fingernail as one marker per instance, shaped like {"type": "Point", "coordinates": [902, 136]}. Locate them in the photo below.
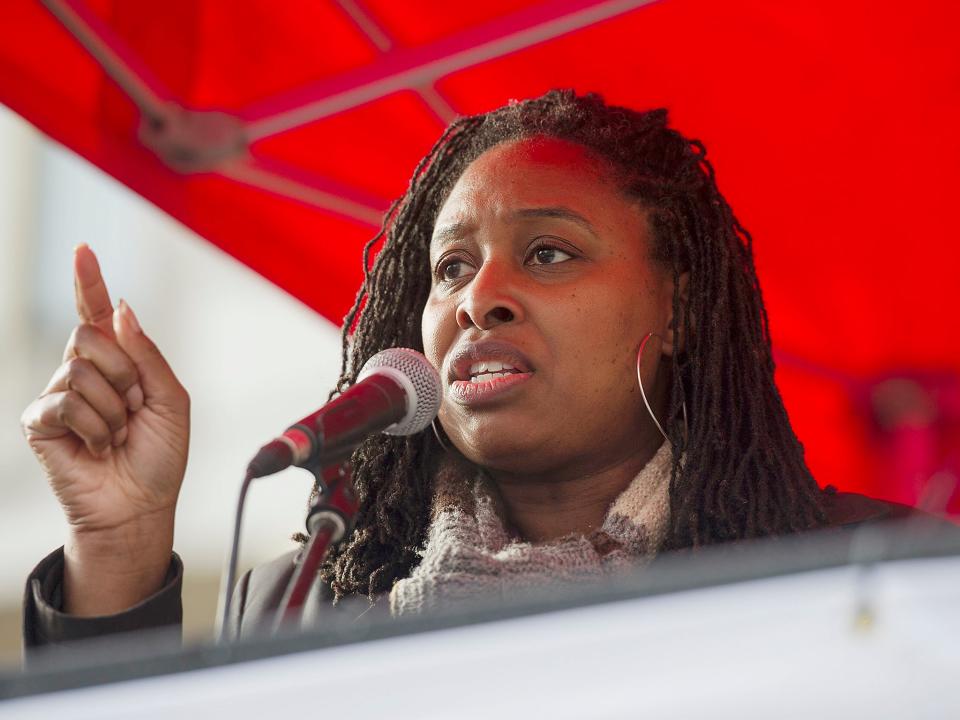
{"type": "Point", "coordinates": [127, 312]}
{"type": "Point", "coordinates": [120, 436]}
{"type": "Point", "coordinates": [78, 246]}
{"type": "Point", "coordinates": [135, 398]}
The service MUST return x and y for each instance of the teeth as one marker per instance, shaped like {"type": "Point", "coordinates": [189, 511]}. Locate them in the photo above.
{"type": "Point", "coordinates": [489, 366]}
{"type": "Point", "coordinates": [486, 377]}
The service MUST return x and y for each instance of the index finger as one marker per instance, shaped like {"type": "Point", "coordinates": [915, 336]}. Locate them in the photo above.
{"type": "Point", "coordinates": [93, 300]}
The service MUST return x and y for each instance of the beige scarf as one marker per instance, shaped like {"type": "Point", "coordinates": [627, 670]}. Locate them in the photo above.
{"type": "Point", "coordinates": [471, 557]}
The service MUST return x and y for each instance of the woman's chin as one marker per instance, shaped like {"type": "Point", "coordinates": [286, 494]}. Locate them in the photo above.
{"type": "Point", "coordinates": [517, 435]}
{"type": "Point", "coordinates": [505, 449]}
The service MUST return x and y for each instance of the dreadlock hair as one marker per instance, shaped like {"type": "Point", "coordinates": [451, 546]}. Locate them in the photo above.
{"type": "Point", "coordinates": [738, 472]}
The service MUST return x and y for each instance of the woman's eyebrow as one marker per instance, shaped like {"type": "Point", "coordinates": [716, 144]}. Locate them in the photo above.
{"type": "Point", "coordinates": [456, 230]}
{"type": "Point", "coordinates": [561, 213]}
{"type": "Point", "coordinates": [447, 233]}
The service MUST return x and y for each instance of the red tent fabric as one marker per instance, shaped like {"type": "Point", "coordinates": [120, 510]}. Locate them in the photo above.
{"type": "Point", "coordinates": [280, 131]}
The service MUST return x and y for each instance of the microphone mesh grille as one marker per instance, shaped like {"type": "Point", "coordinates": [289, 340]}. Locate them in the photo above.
{"type": "Point", "coordinates": [424, 403]}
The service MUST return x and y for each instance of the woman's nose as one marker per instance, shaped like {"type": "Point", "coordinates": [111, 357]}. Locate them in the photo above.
{"type": "Point", "coordinates": [490, 299]}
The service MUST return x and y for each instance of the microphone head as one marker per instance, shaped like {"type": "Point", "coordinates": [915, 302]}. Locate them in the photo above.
{"type": "Point", "coordinates": [420, 380]}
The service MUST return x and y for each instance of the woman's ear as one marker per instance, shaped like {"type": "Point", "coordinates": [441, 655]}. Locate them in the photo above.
{"type": "Point", "coordinates": [670, 340]}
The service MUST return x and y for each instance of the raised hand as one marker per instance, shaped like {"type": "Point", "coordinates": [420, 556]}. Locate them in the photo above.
{"type": "Point", "coordinates": [111, 431]}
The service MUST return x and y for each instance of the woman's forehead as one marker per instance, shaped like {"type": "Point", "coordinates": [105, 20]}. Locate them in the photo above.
{"type": "Point", "coordinates": [538, 181]}
{"type": "Point", "coordinates": [532, 172]}
{"type": "Point", "coordinates": [544, 151]}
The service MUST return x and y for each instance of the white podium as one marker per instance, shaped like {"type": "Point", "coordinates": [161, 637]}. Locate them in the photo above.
{"type": "Point", "coordinates": [863, 626]}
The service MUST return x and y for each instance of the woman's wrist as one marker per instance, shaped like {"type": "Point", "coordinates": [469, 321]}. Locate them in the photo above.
{"type": "Point", "coordinates": [109, 571]}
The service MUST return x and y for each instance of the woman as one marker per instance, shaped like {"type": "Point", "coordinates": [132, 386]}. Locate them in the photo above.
{"type": "Point", "coordinates": [538, 250]}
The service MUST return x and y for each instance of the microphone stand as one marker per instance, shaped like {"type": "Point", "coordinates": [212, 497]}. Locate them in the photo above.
{"type": "Point", "coordinates": [329, 521]}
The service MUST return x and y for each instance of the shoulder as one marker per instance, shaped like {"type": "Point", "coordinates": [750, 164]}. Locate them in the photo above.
{"type": "Point", "coordinates": [845, 509]}
{"type": "Point", "coordinates": [259, 593]}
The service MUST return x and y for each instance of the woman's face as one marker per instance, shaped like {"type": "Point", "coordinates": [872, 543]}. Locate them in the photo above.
{"type": "Point", "coordinates": [543, 288]}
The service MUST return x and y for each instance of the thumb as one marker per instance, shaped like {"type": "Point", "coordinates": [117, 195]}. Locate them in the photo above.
{"type": "Point", "coordinates": [160, 385]}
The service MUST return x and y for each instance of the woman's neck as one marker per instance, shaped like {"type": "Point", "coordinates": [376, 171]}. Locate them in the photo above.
{"type": "Point", "coordinates": [570, 501]}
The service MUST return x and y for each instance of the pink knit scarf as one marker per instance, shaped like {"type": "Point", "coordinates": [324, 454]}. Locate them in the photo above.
{"type": "Point", "coordinates": [470, 556]}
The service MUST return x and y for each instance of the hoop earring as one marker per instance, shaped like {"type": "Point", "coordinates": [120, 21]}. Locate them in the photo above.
{"type": "Point", "coordinates": [436, 434]}
{"type": "Point", "coordinates": [686, 427]}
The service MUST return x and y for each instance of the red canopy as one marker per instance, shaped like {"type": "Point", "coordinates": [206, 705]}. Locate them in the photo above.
{"type": "Point", "coordinates": [280, 131]}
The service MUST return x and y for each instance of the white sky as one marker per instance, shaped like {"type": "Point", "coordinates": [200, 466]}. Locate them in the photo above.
{"type": "Point", "coordinates": [197, 303]}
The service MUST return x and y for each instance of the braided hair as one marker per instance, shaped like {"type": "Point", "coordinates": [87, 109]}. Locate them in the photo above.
{"type": "Point", "coordinates": [742, 473]}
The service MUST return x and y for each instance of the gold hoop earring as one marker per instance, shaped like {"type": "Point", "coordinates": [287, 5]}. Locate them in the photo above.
{"type": "Point", "coordinates": [686, 427]}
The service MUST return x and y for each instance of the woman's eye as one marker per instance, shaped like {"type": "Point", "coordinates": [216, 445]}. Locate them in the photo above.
{"type": "Point", "coordinates": [453, 269]}
{"type": "Point", "coordinates": [550, 256]}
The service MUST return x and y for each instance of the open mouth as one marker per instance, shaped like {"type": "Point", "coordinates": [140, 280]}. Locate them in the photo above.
{"type": "Point", "coordinates": [487, 384]}
{"type": "Point", "coordinates": [490, 370]}
{"type": "Point", "coordinates": [487, 360]}
{"type": "Point", "coordinates": [487, 370]}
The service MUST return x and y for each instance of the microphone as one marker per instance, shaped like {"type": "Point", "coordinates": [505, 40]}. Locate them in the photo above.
{"type": "Point", "coordinates": [397, 392]}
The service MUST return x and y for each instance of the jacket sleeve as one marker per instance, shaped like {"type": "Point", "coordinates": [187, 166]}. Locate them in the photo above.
{"type": "Point", "coordinates": [45, 623]}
